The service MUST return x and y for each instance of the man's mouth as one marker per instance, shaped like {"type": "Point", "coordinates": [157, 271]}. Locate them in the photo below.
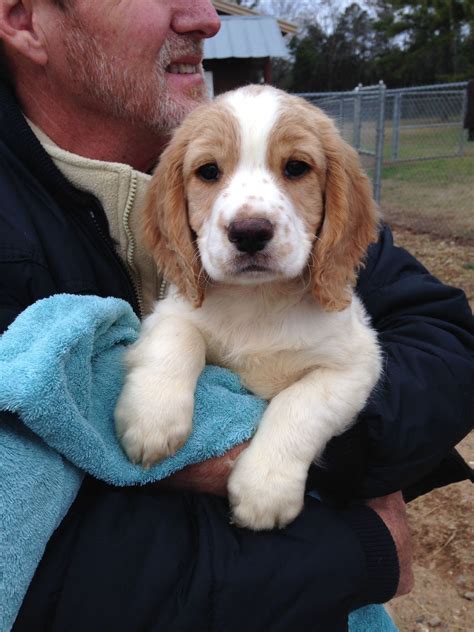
{"type": "Point", "coordinates": [183, 69]}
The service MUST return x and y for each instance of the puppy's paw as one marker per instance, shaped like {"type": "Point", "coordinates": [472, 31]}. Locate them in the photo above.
{"type": "Point", "coordinates": [262, 497]}
{"type": "Point", "coordinates": [153, 421]}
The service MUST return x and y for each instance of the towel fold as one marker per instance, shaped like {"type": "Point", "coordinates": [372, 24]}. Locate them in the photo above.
{"type": "Point", "coordinates": [61, 372]}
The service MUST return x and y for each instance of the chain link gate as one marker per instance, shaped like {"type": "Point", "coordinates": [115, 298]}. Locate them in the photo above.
{"type": "Point", "coordinates": [413, 146]}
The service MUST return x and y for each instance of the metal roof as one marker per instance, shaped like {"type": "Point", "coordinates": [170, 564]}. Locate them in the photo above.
{"type": "Point", "coordinates": [244, 37]}
{"type": "Point", "coordinates": [229, 8]}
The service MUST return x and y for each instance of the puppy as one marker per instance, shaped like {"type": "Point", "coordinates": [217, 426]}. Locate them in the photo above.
{"type": "Point", "coordinates": [259, 216]}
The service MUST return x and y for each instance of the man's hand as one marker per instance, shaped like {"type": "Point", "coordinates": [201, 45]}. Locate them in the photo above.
{"type": "Point", "coordinates": [392, 510]}
{"type": "Point", "coordinates": [209, 477]}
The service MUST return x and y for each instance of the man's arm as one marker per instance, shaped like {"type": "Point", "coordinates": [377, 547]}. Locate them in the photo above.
{"type": "Point", "coordinates": [143, 559]}
{"type": "Point", "coordinates": [129, 559]}
{"type": "Point", "coordinates": [211, 476]}
{"type": "Point", "coordinates": [424, 403]}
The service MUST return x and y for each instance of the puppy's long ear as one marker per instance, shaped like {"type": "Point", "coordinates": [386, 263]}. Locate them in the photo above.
{"type": "Point", "coordinates": [349, 225]}
{"type": "Point", "coordinates": [166, 230]}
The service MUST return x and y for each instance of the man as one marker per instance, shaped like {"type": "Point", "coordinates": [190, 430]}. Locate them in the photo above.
{"type": "Point", "coordinates": [95, 89]}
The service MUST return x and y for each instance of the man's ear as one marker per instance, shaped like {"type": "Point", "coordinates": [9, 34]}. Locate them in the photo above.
{"type": "Point", "coordinates": [20, 30]}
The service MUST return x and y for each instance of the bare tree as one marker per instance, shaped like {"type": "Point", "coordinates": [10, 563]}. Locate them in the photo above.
{"type": "Point", "coordinates": [324, 13]}
{"type": "Point", "coordinates": [292, 10]}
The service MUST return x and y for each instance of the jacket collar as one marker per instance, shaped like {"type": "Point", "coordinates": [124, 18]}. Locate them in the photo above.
{"type": "Point", "coordinates": [22, 142]}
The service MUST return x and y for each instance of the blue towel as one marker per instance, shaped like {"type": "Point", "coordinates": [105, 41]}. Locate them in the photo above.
{"type": "Point", "coordinates": [61, 371]}
{"type": "Point", "coordinates": [371, 619]}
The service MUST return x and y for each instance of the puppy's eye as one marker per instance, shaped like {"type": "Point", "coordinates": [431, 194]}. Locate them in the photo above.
{"type": "Point", "coordinates": [296, 168]}
{"type": "Point", "coordinates": [209, 172]}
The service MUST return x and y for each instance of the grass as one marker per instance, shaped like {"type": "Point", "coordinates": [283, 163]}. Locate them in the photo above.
{"type": "Point", "coordinates": [428, 142]}
{"type": "Point", "coordinates": [441, 170]}
{"type": "Point", "coordinates": [430, 188]}
{"type": "Point", "coordinates": [449, 260]}
{"type": "Point", "coordinates": [432, 196]}
{"type": "Point", "coordinates": [414, 142]}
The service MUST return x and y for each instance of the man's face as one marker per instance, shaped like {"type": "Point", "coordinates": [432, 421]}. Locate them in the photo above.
{"type": "Point", "coordinates": [137, 60]}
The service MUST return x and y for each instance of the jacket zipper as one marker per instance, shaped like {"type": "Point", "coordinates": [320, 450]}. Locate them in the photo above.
{"type": "Point", "coordinates": [162, 291]}
{"type": "Point", "coordinates": [132, 245]}
{"type": "Point", "coordinates": [121, 264]}
{"type": "Point", "coordinates": [131, 241]}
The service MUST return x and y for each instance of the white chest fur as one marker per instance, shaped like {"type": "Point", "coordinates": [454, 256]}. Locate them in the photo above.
{"type": "Point", "coordinates": [271, 343]}
{"type": "Point", "coordinates": [317, 369]}
{"type": "Point", "coordinates": [272, 338]}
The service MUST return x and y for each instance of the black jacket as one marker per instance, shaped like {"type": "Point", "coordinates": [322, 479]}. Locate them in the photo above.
{"type": "Point", "coordinates": [143, 559]}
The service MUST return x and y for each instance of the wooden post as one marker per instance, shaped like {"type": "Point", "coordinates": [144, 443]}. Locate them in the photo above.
{"type": "Point", "coordinates": [469, 110]}
{"type": "Point", "coordinates": [267, 70]}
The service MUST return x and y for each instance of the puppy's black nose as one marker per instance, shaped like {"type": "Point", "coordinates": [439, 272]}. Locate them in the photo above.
{"type": "Point", "coordinates": [250, 235]}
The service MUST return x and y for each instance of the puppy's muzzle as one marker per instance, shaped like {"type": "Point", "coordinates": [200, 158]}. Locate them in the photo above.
{"type": "Point", "coordinates": [250, 235]}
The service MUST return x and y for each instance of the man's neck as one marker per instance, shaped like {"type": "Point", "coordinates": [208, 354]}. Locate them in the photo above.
{"type": "Point", "coordinates": [90, 134]}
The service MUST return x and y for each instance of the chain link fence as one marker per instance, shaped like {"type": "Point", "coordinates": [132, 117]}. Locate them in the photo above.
{"type": "Point", "coordinates": [415, 149]}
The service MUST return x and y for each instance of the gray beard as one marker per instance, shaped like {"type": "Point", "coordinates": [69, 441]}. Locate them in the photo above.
{"type": "Point", "coordinates": [124, 93]}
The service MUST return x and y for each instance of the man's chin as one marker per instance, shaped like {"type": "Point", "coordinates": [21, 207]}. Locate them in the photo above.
{"type": "Point", "coordinates": [185, 105]}
{"type": "Point", "coordinates": [198, 95]}
{"type": "Point", "coordinates": [188, 92]}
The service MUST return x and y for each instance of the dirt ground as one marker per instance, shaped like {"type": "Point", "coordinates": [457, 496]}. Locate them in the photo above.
{"type": "Point", "coordinates": [442, 521]}
{"type": "Point", "coordinates": [449, 259]}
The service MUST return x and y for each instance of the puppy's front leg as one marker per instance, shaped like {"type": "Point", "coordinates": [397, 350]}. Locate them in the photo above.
{"type": "Point", "coordinates": [153, 416]}
{"type": "Point", "coordinates": [266, 487]}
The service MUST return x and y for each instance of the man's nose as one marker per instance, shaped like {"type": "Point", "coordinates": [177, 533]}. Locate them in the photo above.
{"type": "Point", "coordinates": [250, 235]}
{"type": "Point", "coordinates": [197, 17]}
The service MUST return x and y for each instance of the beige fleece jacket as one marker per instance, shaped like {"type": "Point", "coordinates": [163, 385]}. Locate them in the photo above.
{"type": "Point", "coordinates": [121, 191]}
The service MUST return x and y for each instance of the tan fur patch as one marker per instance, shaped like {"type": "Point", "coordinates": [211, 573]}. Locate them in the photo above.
{"type": "Point", "coordinates": [334, 199]}
{"type": "Point", "coordinates": [209, 134]}
{"type": "Point", "coordinates": [294, 138]}
{"type": "Point", "coordinates": [216, 140]}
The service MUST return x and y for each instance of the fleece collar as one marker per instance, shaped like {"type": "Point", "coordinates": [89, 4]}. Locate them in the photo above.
{"type": "Point", "coordinates": [121, 191]}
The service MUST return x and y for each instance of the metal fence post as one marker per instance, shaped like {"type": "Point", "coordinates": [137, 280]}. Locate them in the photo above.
{"type": "Point", "coordinates": [397, 112]}
{"type": "Point", "coordinates": [462, 135]}
{"type": "Point", "coordinates": [341, 115]}
{"type": "Point", "coordinates": [357, 116]}
{"type": "Point", "coordinates": [379, 142]}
